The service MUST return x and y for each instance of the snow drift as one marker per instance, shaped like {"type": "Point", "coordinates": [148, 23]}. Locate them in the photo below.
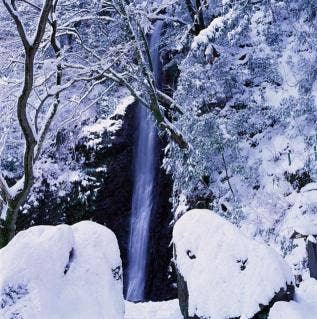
{"type": "Point", "coordinates": [59, 272]}
{"type": "Point", "coordinates": [226, 274]}
{"type": "Point", "coordinates": [305, 306]}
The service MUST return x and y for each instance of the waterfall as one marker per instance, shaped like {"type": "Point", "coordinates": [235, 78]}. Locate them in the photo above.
{"type": "Point", "coordinates": [143, 189]}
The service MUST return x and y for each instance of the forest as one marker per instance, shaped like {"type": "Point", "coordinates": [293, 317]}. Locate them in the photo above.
{"type": "Point", "coordinates": [158, 159]}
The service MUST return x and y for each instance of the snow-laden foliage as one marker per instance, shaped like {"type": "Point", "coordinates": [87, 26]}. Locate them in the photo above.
{"type": "Point", "coordinates": [62, 272]}
{"type": "Point", "coordinates": [90, 35]}
{"type": "Point", "coordinates": [247, 86]}
{"type": "Point", "coordinates": [66, 65]}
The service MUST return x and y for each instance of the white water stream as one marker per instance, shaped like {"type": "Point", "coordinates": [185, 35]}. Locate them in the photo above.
{"type": "Point", "coordinates": [143, 188]}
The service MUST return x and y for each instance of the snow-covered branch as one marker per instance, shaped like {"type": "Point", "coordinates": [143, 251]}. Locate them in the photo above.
{"type": "Point", "coordinates": [12, 10]}
{"type": "Point", "coordinates": [4, 189]}
{"type": "Point", "coordinates": [23, 115]}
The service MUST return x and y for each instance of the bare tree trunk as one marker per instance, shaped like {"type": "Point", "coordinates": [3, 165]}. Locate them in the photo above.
{"type": "Point", "coordinates": [197, 15]}
{"type": "Point", "coordinates": [15, 200]}
{"type": "Point", "coordinates": [9, 228]}
{"type": "Point", "coordinates": [190, 9]}
{"type": "Point", "coordinates": [200, 14]}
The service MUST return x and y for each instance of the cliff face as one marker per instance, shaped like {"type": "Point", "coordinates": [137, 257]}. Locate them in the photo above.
{"type": "Point", "coordinates": [160, 276]}
{"type": "Point", "coordinates": [104, 196]}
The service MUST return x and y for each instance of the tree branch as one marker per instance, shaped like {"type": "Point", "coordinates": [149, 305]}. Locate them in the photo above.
{"type": "Point", "coordinates": [53, 109]}
{"type": "Point", "coordinates": [227, 175]}
{"type": "Point", "coordinates": [172, 105]}
{"type": "Point", "coordinates": [22, 188]}
{"type": "Point", "coordinates": [20, 27]}
{"type": "Point", "coordinates": [41, 26]}
{"type": "Point", "coordinates": [4, 189]}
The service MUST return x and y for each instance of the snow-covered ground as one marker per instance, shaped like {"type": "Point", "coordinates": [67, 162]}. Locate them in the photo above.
{"type": "Point", "coordinates": [304, 306]}
{"type": "Point", "coordinates": [153, 310]}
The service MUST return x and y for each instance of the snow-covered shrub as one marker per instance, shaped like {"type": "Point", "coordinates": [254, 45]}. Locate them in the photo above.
{"type": "Point", "coordinates": [247, 86]}
{"type": "Point", "coordinates": [60, 272]}
{"type": "Point", "coordinates": [226, 274]}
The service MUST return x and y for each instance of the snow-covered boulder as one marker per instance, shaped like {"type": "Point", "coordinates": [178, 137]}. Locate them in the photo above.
{"type": "Point", "coordinates": [224, 274]}
{"type": "Point", "coordinates": [62, 272]}
{"type": "Point", "coordinates": [305, 306]}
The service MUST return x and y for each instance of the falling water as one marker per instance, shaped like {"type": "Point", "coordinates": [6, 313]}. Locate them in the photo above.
{"type": "Point", "coordinates": [143, 192]}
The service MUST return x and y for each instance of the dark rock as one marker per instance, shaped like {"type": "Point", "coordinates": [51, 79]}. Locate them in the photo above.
{"type": "Point", "coordinates": [283, 295]}
{"type": "Point", "coordinates": [311, 248]}
{"type": "Point", "coordinates": [298, 179]}
{"type": "Point", "coordinates": [183, 296]}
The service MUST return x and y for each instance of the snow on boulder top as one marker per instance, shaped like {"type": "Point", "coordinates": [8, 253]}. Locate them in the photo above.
{"type": "Point", "coordinates": [228, 275]}
{"type": "Point", "coordinates": [60, 272]}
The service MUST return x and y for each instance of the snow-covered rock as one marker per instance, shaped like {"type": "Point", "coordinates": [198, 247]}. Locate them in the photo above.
{"type": "Point", "coordinates": [226, 274]}
{"type": "Point", "coordinates": [305, 306]}
{"type": "Point", "coordinates": [59, 272]}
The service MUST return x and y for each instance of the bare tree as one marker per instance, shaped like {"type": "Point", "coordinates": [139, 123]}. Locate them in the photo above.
{"type": "Point", "coordinates": [108, 68]}
{"type": "Point", "coordinates": [13, 197]}
{"type": "Point", "coordinates": [36, 110]}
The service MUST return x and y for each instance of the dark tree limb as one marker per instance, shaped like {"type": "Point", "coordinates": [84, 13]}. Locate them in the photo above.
{"type": "Point", "coordinates": [22, 188]}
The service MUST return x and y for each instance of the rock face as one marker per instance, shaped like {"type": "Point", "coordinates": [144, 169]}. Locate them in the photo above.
{"type": "Point", "coordinates": [160, 283]}
{"type": "Point", "coordinates": [110, 165]}
{"type": "Point", "coordinates": [312, 257]}
{"type": "Point", "coordinates": [223, 274]}
{"type": "Point", "coordinates": [112, 206]}
{"type": "Point", "coordinates": [57, 272]}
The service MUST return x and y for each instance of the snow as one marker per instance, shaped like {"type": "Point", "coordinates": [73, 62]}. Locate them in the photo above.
{"type": "Point", "coordinates": [4, 186]}
{"type": "Point", "coordinates": [298, 258]}
{"type": "Point", "coordinates": [182, 206]}
{"type": "Point", "coordinates": [109, 124]}
{"type": "Point", "coordinates": [94, 131]}
{"type": "Point", "coordinates": [71, 272]}
{"type": "Point", "coordinates": [123, 104]}
{"type": "Point", "coordinates": [302, 215]}
{"type": "Point", "coordinates": [304, 307]}
{"type": "Point", "coordinates": [209, 32]}
{"type": "Point", "coordinates": [102, 125]}
{"type": "Point", "coordinates": [235, 273]}
{"type": "Point", "coordinates": [153, 310]}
